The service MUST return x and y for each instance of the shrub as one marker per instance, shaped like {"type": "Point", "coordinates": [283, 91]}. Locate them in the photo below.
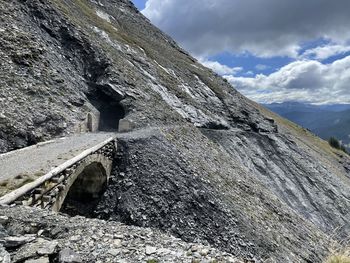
{"type": "Point", "coordinates": [334, 143]}
{"type": "Point", "coordinates": [342, 147]}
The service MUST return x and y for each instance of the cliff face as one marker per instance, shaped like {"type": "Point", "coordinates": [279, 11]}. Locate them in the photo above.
{"type": "Point", "coordinates": [208, 165]}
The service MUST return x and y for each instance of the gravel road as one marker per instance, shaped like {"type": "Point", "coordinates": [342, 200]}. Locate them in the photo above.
{"type": "Point", "coordinates": [41, 158]}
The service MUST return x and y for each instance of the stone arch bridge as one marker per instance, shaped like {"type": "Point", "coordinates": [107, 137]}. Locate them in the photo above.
{"type": "Point", "coordinates": [84, 176]}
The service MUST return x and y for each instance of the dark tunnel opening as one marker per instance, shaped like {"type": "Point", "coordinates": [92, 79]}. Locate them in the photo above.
{"type": "Point", "coordinates": [86, 191]}
{"type": "Point", "coordinates": [111, 111]}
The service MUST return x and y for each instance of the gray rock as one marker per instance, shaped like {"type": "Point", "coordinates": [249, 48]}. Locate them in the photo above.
{"type": "Point", "coordinates": [125, 125]}
{"type": "Point", "coordinates": [113, 252]}
{"type": "Point", "coordinates": [47, 247]}
{"type": "Point", "coordinates": [3, 232]}
{"type": "Point", "coordinates": [38, 260]}
{"type": "Point", "coordinates": [4, 219]}
{"type": "Point", "coordinates": [75, 238]}
{"type": "Point", "coordinates": [16, 241]}
{"type": "Point", "coordinates": [4, 255]}
{"type": "Point", "coordinates": [39, 246]}
{"type": "Point", "coordinates": [67, 255]}
{"type": "Point", "coordinates": [204, 252]}
{"type": "Point", "coordinates": [150, 250]}
{"type": "Point", "coordinates": [117, 243]}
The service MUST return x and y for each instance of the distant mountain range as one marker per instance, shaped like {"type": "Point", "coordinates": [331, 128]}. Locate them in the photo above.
{"type": "Point", "coordinates": [324, 120]}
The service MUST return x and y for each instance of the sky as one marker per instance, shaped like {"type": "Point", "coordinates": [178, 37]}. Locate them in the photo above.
{"type": "Point", "coordinates": [271, 50]}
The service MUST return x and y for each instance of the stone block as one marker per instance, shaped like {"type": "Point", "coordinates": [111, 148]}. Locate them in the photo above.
{"type": "Point", "coordinates": [125, 125]}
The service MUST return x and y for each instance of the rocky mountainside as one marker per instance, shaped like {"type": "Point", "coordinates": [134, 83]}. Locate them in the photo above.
{"type": "Point", "coordinates": [203, 163]}
{"type": "Point", "coordinates": [325, 121]}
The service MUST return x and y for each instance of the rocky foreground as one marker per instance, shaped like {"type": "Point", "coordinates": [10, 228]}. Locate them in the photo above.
{"type": "Point", "coordinates": [37, 236]}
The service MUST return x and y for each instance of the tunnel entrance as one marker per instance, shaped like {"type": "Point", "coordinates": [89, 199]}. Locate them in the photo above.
{"type": "Point", "coordinates": [111, 111]}
{"type": "Point", "coordinates": [86, 191]}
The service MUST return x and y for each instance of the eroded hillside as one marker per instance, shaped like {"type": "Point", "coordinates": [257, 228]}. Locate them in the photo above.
{"type": "Point", "coordinates": [210, 166]}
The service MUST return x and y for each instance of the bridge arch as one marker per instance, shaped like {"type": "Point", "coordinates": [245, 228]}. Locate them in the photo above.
{"type": "Point", "coordinates": [87, 182]}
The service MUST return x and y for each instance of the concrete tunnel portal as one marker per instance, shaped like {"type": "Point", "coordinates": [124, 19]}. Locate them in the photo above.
{"type": "Point", "coordinates": [109, 107]}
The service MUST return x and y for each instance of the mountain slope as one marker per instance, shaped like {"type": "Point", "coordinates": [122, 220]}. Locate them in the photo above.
{"type": "Point", "coordinates": [324, 120]}
{"type": "Point", "coordinates": [213, 166]}
{"type": "Point", "coordinates": [326, 124]}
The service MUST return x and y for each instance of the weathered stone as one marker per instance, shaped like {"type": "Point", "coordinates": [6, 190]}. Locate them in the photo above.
{"type": "Point", "coordinates": [38, 260]}
{"type": "Point", "coordinates": [150, 250]}
{"type": "Point", "coordinates": [204, 252]}
{"type": "Point", "coordinates": [3, 232]}
{"type": "Point", "coordinates": [39, 246]}
{"type": "Point", "coordinates": [75, 238]}
{"type": "Point", "coordinates": [92, 120]}
{"type": "Point", "coordinates": [117, 242]}
{"type": "Point", "coordinates": [113, 252]}
{"type": "Point", "coordinates": [125, 125]}
{"type": "Point", "coordinates": [68, 256]}
{"type": "Point", "coordinates": [15, 241]}
{"type": "Point", "coordinates": [4, 219]}
{"type": "Point", "coordinates": [47, 247]}
{"type": "Point", "coordinates": [4, 255]}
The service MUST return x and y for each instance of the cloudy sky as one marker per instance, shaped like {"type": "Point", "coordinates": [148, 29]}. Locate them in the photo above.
{"type": "Point", "coordinates": [270, 50]}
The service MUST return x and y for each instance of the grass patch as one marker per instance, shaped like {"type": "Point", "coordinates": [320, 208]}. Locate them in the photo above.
{"type": "Point", "coordinates": [342, 256]}
{"type": "Point", "coordinates": [90, 14]}
{"type": "Point", "coordinates": [11, 184]}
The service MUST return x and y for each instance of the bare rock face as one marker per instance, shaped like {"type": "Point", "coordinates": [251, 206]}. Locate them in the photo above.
{"type": "Point", "coordinates": [4, 255]}
{"type": "Point", "coordinates": [196, 159]}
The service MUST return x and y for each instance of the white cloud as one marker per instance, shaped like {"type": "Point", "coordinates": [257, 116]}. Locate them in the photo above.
{"type": "Point", "coordinates": [220, 68]}
{"type": "Point", "coordinates": [321, 53]}
{"type": "Point", "coordinates": [261, 67]}
{"type": "Point", "coordinates": [304, 80]}
{"type": "Point", "coordinates": [264, 28]}
{"type": "Point", "coordinates": [268, 28]}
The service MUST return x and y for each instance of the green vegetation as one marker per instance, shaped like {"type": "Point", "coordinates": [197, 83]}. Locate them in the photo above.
{"type": "Point", "coordinates": [339, 257]}
{"type": "Point", "coordinates": [335, 143]}
{"type": "Point", "coordinates": [83, 8]}
{"type": "Point", "coordinates": [152, 261]}
{"type": "Point", "coordinates": [11, 184]}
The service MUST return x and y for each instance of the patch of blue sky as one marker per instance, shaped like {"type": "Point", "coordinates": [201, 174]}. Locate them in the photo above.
{"type": "Point", "coordinates": [263, 91]}
{"type": "Point", "coordinates": [140, 4]}
{"type": "Point", "coordinates": [251, 64]}
{"type": "Point", "coordinates": [320, 42]}
{"type": "Point", "coordinates": [335, 58]}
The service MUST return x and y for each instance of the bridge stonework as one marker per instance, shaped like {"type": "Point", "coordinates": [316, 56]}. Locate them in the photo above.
{"type": "Point", "coordinates": [92, 181]}
{"type": "Point", "coordinates": [90, 173]}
